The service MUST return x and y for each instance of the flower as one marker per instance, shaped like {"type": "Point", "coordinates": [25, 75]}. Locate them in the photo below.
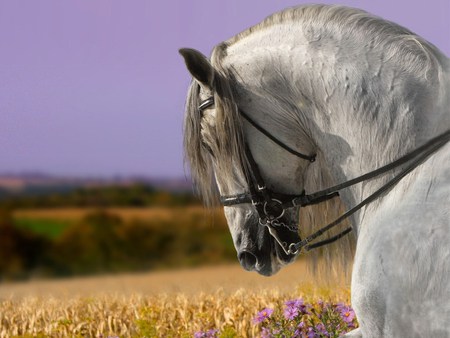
{"type": "Point", "coordinates": [320, 328]}
{"type": "Point", "coordinates": [263, 315]}
{"type": "Point", "coordinates": [206, 334]}
{"type": "Point", "coordinates": [346, 312]}
{"type": "Point", "coordinates": [294, 308]}
{"type": "Point", "coordinates": [300, 329]}
{"type": "Point", "coordinates": [290, 313]}
{"type": "Point", "coordinates": [265, 333]}
{"type": "Point", "coordinates": [311, 333]}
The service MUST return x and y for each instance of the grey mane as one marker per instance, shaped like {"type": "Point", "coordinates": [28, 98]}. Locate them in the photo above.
{"type": "Point", "coordinates": [340, 21]}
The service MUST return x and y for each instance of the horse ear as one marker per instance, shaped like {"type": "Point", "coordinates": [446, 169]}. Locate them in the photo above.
{"type": "Point", "coordinates": [199, 66]}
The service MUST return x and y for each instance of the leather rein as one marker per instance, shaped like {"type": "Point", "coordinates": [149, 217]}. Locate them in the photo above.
{"type": "Point", "coordinates": [271, 205]}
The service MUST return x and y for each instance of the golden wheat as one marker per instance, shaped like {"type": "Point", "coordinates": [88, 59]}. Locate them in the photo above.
{"type": "Point", "coordinates": [164, 315]}
{"type": "Point", "coordinates": [164, 304]}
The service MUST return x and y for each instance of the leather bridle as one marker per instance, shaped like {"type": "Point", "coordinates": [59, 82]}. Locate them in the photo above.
{"type": "Point", "coordinates": [271, 205]}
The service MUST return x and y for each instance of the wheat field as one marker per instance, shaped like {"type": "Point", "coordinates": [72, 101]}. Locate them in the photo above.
{"type": "Point", "coordinates": [126, 213]}
{"type": "Point", "coordinates": [162, 304]}
{"type": "Point", "coordinates": [175, 303]}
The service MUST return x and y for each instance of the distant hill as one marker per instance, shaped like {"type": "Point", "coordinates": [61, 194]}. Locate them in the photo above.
{"type": "Point", "coordinates": [37, 183]}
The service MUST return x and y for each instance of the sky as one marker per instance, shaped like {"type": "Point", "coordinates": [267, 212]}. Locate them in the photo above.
{"type": "Point", "coordinates": [97, 87]}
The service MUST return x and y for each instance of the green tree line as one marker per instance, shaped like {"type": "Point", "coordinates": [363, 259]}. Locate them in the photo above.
{"type": "Point", "coordinates": [136, 195]}
{"type": "Point", "coordinates": [104, 243]}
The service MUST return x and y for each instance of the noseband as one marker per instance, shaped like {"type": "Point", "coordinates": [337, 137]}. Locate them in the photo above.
{"type": "Point", "coordinates": [271, 206]}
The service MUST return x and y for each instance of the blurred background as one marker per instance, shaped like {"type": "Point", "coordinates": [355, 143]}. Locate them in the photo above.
{"type": "Point", "coordinates": [91, 107]}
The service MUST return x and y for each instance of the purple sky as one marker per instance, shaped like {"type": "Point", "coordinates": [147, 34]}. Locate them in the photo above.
{"type": "Point", "coordinates": [96, 87]}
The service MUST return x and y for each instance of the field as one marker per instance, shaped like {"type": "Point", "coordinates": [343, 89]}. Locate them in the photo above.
{"type": "Point", "coordinates": [110, 240]}
{"type": "Point", "coordinates": [53, 221]}
{"type": "Point", "coordinates": [76, 214]}
{"type": "Point", "coordinates": [163, 304]}
{"type": "Point", "coordinates": [217, 300]}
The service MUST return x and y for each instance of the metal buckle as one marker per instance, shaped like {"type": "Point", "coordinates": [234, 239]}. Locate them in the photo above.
{"type": "Point", "coordinates": [272, 217]}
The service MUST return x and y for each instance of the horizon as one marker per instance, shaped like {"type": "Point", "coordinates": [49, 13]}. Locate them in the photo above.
{"type": "Point", "coordinates": [98, 88]}
{"type": "Point", "coordinates": [18, 184]}
{"type": "Point", "coordinates": [128, 176]}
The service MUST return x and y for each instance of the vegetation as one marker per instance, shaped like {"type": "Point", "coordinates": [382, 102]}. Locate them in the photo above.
{"type": "Point", "coordinates": [136, 195]}
{"type": "Point", "coordinates": [218, 314]}
{"type": "Point", "coordinates": [117, 229]}
{"type": "Point", "coordinates": [102, 241]}
{"type": "Point", "coordinates": [300, 319]}
{"type": "Point", "coordinates": [157, 230]}
{"type": "Point", "coordinates": [48, 227]}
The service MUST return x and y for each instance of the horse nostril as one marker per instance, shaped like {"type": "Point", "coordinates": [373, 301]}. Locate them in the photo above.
{"type": "Point", "coordinates": [248, 260]}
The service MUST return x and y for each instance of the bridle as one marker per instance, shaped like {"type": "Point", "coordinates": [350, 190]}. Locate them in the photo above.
{"type": "Point", "coordinates": [271, 206]}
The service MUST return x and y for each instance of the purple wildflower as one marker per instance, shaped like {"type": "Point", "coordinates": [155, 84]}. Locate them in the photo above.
{"type": "Point", "coordinates": [277, 330]}
{"type": "Point", "coordinates": [265, 333]}
{"type": "Point", "coordinates": [300, 329]}
{"type": "Point", "coordinates": [262, 315]}
{"type": "Point", "coordinates": [294, 308]}
{"type": "Point", "coordinates": [320, 328]}
{"type": "Point", "coordinates": [346, 312]}
{"type": "Point", "coordinates": [290, 313]}
{"type": "Point", "coordinates": [206, 334]}
{"type": "Point", "coordinates": [311, 333]}
{"type": "Point", "coordinates": [294, 303]}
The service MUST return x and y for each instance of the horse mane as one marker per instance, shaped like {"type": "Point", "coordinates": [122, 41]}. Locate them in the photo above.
{"type": "Point", "coordinates": [320, 21]}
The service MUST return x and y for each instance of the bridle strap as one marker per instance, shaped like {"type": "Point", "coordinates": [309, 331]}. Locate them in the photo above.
{"type": "Point", "coordinates": [209, 102]}
{"type": "Point", "coordinates": [425, 151]}
{"type": "Point", "coordinates": [260, 196]}
{"type": "Point", "coordinates": [255, 183]}
{"type": "Point", "coordinates": [435, 142]}
{"type": "Point", "coordinates": [323, 195]}
{"type": "Point", "coordinates": [310, 158]}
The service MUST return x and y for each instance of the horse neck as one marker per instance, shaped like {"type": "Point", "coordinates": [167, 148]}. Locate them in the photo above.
{"type": "Point", "coordinates": [361, 108]}
{"type": "Point", "coordinates": [370, 124]}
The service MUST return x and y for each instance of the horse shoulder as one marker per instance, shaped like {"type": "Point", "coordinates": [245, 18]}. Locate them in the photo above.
{"type": "Point", "coordinates": [402, 266]}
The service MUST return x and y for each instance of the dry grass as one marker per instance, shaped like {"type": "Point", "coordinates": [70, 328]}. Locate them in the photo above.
{"type": "Point", "coordinates": [163, 304]}
{"type": "Point", "coordinates": [166, 304]}
{"type": "Point", "coordinates": [127, 214]}
{"type": "Point", "coordinates": [164, 315]}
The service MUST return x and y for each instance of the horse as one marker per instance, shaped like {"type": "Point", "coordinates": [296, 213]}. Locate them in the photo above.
{"type": "Point", "coordinates": [318, 103]}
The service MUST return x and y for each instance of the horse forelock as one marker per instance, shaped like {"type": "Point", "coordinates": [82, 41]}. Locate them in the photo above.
{"type": "Point", "coordinates": [214, 150]}
{"type": "Point", "coordinates": [195, 157]}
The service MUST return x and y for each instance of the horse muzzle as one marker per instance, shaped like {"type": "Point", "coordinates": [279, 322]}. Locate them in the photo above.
{"type": "Point", "coordinates": [265, 253]}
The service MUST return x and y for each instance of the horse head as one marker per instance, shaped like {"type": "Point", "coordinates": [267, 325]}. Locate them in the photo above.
{"type": "Point", "coordinates": [252, 173]}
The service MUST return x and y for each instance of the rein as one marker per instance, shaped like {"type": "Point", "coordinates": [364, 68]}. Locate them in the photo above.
{"type": "Point", "coordinates": [271, 206]}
